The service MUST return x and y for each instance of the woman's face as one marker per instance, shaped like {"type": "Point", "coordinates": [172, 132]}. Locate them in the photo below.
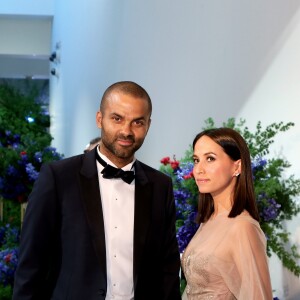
{"type": "Point", "coordinates": [214, 171]}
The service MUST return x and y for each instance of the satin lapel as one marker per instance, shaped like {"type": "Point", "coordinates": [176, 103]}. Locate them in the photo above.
{"type": "Point", "coordinates": [92, 203]}
{"type": "Point", "coordinates": [142, 216]}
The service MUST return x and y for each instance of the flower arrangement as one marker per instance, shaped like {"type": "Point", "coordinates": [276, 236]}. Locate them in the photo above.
{"type": "Point", "coordinates": [275, 194]}
{"type": "Point", "coordinates": [24, 147]}
{"type": "Point", "coordinates": [9, 240]}
{"type": "Point", "coordinates": [24, 143]}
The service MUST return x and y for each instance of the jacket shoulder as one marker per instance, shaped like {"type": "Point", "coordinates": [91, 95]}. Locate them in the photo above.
{"type": "Point", "coordinates": [153, 173]}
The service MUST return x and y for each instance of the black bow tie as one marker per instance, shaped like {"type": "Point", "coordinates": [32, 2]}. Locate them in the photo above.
{"type": "Point", "coordinates": [111, 172]}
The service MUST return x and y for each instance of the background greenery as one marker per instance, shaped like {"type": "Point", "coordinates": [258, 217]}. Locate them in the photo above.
{"type": "Point", "coordinates": [24, 146]}
{"type": "Point", "coordinates": [277, 193]}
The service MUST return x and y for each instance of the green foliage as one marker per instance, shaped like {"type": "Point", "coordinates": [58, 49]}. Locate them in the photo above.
{"type": "Point", "coordinates": [271, 182]}
{"type": "Point", "coordinates": [276, 193]}
{"type": "Point", "coordinates": [11, 213]}
{"type": "Point", "coordinates": [24, 142]}
{"type": "Point", "coordinates": [6, 292]}
{"type": "Point", "coordinates": [24, 146]}
{"type": "Point", "coordinates": [15, 107]}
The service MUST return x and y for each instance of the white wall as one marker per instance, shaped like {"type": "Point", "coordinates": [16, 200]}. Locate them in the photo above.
{"type": "Point", "coordinates": [276, 98]}
{"type": "Point", "coordinates": [33, 37]}
{"type": "Point", "coordinates": [28, 7]}
{"type": "Point", "coordinates": [197, 59]}
{"type": "Point", "coordinates": [88, 33]}
{"type": "Point", "coordinates": [25, 45]}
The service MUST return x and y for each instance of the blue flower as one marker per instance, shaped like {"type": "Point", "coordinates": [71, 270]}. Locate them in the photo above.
{"type": "Point", "coordinates": [8, 133]}
{"type": "Point", "coordinates": [12, 171]}
{"type": "Point", "coordinates": [184, 234]}
{"type": "Point", "coordinates": [32, 173]}
{"type": "Point", "coordinates": [17, 179]}
{"type": "Point", "coordinates": [270, 189]}
{"type": "Point", "coordinates": [258, 164]}
{"type": "Point", "coordinates": [1, 183]}
{"type": "Point", "coordinates": [8, 265]}
{"type": "Point", "coordinates": [271, 211]}
{"type": "Point", "coordinates": [15, 145]}
{"type": "Point", "coordinates": [184, 170]}
{"type": "Point", "coordinates": [38, 156]}
{"type": "Point", "coordinates": [52, 150]}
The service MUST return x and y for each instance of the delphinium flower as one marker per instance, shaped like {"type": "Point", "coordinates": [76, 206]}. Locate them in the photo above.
{"type": "Point", "coordinates": [186, 209]}
{"type": "Point", "coordinates": [53, 153]}
{"type": "Point", "coordinates": [180, 197]}
{"type": "Point", "coordinates": [38, 156]}
{"type": "Point", "coordinates": [31, 171]}
{"type": "Point", "coordinates": [9, 139]}
{"type": "Point", "coordinates": [9, 240]}
{"type": "Point", "coordinates": [275, 194]}
{"type": "Point", "coordinates": [8, 265]}
{"type": "Point", "coordinates": [187, 230]}
{"type": "Point", "coordinates": [271, 211]}
{"type": "Point", "coordinates": [12, 171]}
{"type": "Point", "coordinates": [9, 236]}
{"type": "Point", "coordinates": [258, 164]}
{"type": "Point", "coordinates": [184, 171]}
{"type": "Point", "coordinates": [19, 176]}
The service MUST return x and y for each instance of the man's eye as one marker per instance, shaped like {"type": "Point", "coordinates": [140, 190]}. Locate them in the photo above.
{"type": "Point", "coordinates": [139, 123]}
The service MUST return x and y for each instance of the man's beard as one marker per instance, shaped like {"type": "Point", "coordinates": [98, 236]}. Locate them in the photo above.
{"type": "Point", "coordinates": [122, 153]}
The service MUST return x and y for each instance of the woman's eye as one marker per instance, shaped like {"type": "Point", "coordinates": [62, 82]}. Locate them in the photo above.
{"type": "Point", "coordinates": [210, 158]}
{"type": "Point", "coordinates": [195, 160]}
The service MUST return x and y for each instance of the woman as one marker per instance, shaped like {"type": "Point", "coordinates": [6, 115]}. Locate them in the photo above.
{"type": "Point", "coordinates": [226, 259]}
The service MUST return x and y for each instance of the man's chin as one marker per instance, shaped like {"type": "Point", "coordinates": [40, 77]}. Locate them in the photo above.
{"type": "Point", "coordinates": [125, 154]}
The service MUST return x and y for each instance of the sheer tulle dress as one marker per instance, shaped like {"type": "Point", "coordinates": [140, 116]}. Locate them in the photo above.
{"type": "Point", "coordinates": [226, 259]}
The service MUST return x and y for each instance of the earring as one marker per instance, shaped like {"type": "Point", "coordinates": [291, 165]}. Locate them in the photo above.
{"type": "Point", "coordinates": [237, 174]}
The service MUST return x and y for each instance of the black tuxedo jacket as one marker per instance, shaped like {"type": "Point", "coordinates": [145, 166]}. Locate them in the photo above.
{"type": "Point", "coordinates": [62, 248]}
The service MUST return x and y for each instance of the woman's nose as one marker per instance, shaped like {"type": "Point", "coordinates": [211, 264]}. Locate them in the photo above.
{"type": "Point", "coordinates": [198, 168]}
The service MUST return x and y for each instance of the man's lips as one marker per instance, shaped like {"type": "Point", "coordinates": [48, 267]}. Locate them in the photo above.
{"type": "Point", "coordinates": [125, 142]}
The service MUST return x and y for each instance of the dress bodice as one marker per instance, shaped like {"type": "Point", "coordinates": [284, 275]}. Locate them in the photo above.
{"type": "Point", "coordinates": [226, 259]}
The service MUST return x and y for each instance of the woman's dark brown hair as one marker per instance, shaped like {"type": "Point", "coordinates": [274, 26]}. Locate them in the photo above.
{"type": "Point", "coordinates": [243, 195]}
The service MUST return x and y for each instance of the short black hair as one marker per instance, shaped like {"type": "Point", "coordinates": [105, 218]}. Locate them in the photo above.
{"type": "Point", "coordinates": [126, 87]}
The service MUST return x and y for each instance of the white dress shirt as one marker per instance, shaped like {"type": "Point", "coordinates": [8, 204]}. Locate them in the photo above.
{"type": "Point", "coordinates": [117, 199]}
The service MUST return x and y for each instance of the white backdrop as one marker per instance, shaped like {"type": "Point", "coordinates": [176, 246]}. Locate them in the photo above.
{"type": "Point", "coordinates": [196, 58]}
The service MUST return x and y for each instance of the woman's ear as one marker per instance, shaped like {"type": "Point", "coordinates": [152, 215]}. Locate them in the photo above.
{"type": "Point", "coordinates": [237, 167]}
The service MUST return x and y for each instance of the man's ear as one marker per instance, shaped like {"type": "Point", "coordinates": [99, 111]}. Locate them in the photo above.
{"type": "Point", "coordinates": [149, 124]}
{"type": "Point", "coordinates": [99, 119]}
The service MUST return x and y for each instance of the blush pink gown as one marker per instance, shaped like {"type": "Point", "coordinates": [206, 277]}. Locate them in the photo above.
{"type": "Point", "coordinates": [226, 259]}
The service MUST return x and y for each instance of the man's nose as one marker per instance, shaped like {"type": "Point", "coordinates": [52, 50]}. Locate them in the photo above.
{"type": "Point", "coordinates": [126, 129]}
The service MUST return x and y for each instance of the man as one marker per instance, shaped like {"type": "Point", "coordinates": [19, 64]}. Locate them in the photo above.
{"type": "Point", "coordinates": [89, 234]}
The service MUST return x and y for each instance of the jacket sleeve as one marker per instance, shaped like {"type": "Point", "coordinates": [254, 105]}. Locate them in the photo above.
{"type": "Point", "coordinates": [34, 277]}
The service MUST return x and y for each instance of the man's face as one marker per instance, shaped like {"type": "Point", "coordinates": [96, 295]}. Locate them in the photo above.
{"type": "Point", "coordinates": [124, 123]}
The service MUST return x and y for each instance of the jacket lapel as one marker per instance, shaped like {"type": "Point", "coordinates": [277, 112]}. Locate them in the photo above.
{"type": "Point", "coordinates": [142, 216]}
{"type": "Point", "coordinates": [89, 183]}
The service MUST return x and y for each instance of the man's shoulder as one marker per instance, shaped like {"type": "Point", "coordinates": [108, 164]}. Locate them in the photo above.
{"type": "Point", "coordinates": [151, 172]}
{"type": "Point", "coordinates": [66, 162]}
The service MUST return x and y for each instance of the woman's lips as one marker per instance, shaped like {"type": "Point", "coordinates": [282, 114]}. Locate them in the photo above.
{"type": "Point", "coordinates": [202, 180]}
